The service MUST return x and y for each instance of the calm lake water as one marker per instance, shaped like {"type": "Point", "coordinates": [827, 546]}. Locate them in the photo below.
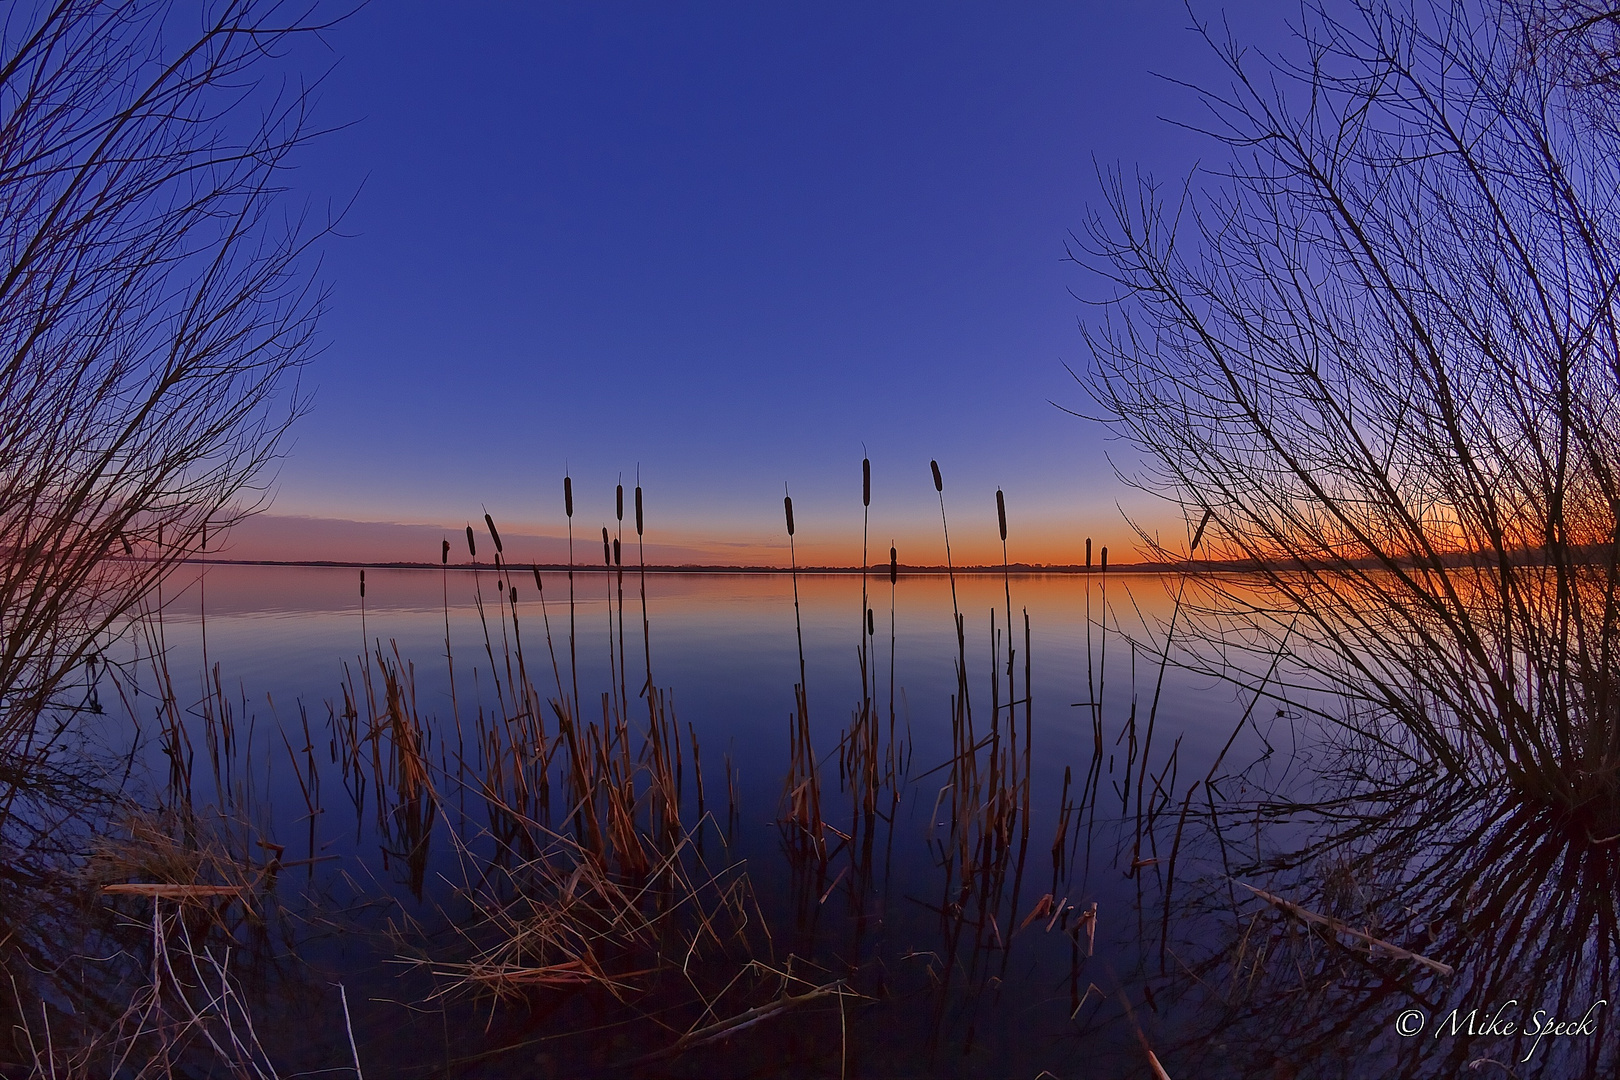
{"type": "Point", "coordinates": [929, 979]}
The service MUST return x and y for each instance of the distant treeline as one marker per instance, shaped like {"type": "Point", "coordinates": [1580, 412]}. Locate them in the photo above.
{"type": "Point", "coordinates": [1596, 554]}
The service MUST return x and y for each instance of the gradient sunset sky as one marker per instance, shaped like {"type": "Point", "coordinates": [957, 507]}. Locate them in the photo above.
{"type": "Point", "coordinates": [728, 244]}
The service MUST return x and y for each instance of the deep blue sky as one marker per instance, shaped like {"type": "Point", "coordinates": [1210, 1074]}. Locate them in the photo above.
{"type": "Point", "coordinates": [728, 242]}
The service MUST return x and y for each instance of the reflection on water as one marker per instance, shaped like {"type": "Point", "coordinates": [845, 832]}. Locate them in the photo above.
{"type": "Point", "coordinates": [1513, 918]}
{"type": "Point", "coordinates": [397, 826]}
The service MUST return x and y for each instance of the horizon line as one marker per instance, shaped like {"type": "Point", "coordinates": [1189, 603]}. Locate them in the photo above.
{"type": "Point", "coordinates": [725, 568]}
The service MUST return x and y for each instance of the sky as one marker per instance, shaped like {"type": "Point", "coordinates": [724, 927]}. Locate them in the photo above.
{"type": "Point", "coordinates": [729, 248]}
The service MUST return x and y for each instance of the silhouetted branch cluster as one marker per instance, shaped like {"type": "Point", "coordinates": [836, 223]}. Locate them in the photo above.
{"type": "Point", "coordinates": [1383, 351]}
{"type": "Point", "coordinates": [156, 304]}
{"type": "Point", "coordinates": [1577, 41]}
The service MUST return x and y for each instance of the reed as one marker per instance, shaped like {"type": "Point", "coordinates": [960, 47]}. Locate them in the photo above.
{"type": "Point", "coordinates": [801, 793]}
{"type": "Point", "coordinates": [189, 1017]}
{"type": "Point", "coordinates": [615, 894]}
{"type": "Point", "coordinates": [618, 574]}
{"type": "Point", "coordinates": [573, 660]}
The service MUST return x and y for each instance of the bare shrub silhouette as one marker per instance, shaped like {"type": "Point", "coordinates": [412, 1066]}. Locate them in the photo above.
{"type": "Point", "coordinates": [156, 305]}
{"type": "Point", "coordinates": [1381, 351]}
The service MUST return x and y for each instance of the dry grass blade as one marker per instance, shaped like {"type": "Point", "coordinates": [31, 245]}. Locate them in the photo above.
{"type": "Point", "coordinates": [1339, 927]}
{"type": "Point", "coordinates": [174, 892]}
{"type": "Point", "coordinates": [745, 1019]}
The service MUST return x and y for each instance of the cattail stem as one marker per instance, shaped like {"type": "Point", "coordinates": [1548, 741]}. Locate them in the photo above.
{"type": "Point", "coordinates": [573, 654]}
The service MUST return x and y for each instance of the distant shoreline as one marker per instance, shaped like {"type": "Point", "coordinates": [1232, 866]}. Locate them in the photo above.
{"type": "Point", "coordinates": [881, 569]}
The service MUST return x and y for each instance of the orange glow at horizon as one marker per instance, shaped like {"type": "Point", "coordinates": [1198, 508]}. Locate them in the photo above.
{"type": "Point", "coordinates": [278, 538]}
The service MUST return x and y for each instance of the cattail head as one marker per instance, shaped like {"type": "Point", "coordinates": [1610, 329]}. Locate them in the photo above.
{"type": "Point", "coordinates": [607, 554]}
{"type": "Point", "coordinates": [894, 566]}
{"type": "Point", "coordinates": [1199, 534]}
{"type": "Point", "coordinates": [539, 588]}
{"type": "Point", "coordinates": [866, 481]}
{"type": "Point", "coordinates": [127, 549]}
{"type": "Point", "coordinates": [472, 548]}
{"type": "Point", "coordinates": [638, 509]}
{"type": "Point", "coordinates": [616, 561]}
{"type": "Point", "coordinates": [1088, 553]}
{"type": "Point", "coordinates": [514, 596]}
{"type": "Point", "coordinates": [870, 631]}
{"type": "Point", "coordinates": [493, 534]}
{"type": "Point", "coordinates": [618, 501]}
{"type": "Point", "coordinates": [787, 505]}
{"type": "Point", "coordinates": [362, 584]}
{"type": "Point", "coordinates": [1001, 514]}
{"type": "Point", "coordinates": [444, 552]}
{"type": "Point", "coordinates": [939, 484]}
{"type": "Point", "coordinates": [1105, 559]}
{"type": "Point", "coordinates": [568, 495]}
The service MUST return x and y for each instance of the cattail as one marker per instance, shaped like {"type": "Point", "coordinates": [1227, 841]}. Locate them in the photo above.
{"type": "Point", "coordinates": [444, 553]}
{"type": "Point", "coordinates": [607, 555]}
{"type": "Point", "coordinates": [493, 534]}
{"type": "Point", "coordinates": [787, 504]}
{"type": "Point", "coordinates": [866, 481]}
{"type": "Point", "coordinates": [638, 509]}
{"type": "Point", "coordinates": [1088, 553]}
{"type": "Point", "coordinates": [1001, 514]}
{"type": "Point", "coordinates": [537, 586]}
{"type": "Point", "coordinates": [514, 596]}
{"type": "Point", "coordinates": [616, 561]}
{"type": "Point", "coordinates": [1105, 559]}
{"type": "Point", "coordinates": [894, 566]}
{"type": "Point", "coordinates": [362, 584]}
{"type": "Point", "coordinates": [870, 627]}
{"type": "Point", "coordinates": [1199, 534]}
{"type": "Point", "coordinates": [127, 549]}
{"type": "Point", "coordinates": [568, 495]}
{"type": "Point", "coordinates": [939, 484]}
{"type": "Point", "coordinates": [472, 548]}
{"type": "Point", "coordinates": [619, 501]}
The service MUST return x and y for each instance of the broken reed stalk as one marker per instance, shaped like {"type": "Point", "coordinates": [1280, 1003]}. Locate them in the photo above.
{"type": "Point", "coordinates": [1339, 927]}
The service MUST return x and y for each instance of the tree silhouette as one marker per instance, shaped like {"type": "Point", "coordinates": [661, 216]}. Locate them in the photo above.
{"type": "Point", "coordinates": [1382, 351]}
{"type": "Point", "coordinates": [157, 301]}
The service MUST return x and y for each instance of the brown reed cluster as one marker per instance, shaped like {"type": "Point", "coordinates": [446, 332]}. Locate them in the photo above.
{"type": "Point", "coordinates": [587, 876]}
{"type": "Point", "coordinates": [591, 869]}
